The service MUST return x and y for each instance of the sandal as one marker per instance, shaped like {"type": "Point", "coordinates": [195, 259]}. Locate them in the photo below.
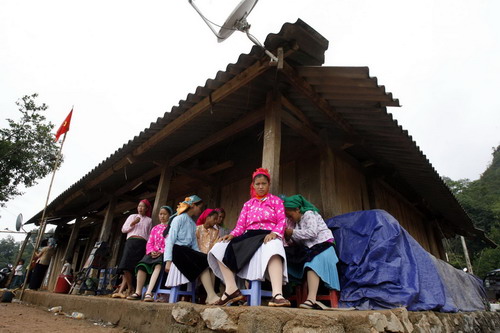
{"type": "Point", "coordinates": [134, 297]}
{"type": "Point", "coordinates": [148, 298]}
{"type": "Point", "coordinates": [279, 302]}
{"type": "Point", "coordinates": [311, 305]}
{"type": "Point", "coordinates": [118, 295]}
{"type": "Point", "coordinates": [234, 297]}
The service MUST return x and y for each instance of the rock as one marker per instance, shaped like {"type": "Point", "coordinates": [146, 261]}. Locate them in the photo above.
{"type": "Point", "coordinates": [217, 319]}
{"type": "Point", "coordinates": [185, 315]}
{"type": "Point", "coordinates": [394, 325]}
{"type": "Point", "coordinates": [378, 321]}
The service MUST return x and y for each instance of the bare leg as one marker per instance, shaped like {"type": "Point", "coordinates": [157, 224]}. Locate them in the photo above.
{"type": "Point", "coordinates": [229, 279]}
{"type": "Point", "coordinates": [141, 279]}
{"type": "Point", "coordinates": [123, 285]}
{"type": "Point", "coordinates": [312, 285]}
{"type": "Point", "coordinates": [206, 280]}
{"type": "Point", "coordinates": [152, 281]}
{"type": "Point", "coordinates": [127, 277]}
{"type": "Point", "coordinates": [275, 270]}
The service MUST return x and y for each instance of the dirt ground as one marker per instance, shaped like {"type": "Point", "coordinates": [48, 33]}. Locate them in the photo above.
{"type": "Point", "coordinates": [21, 318]}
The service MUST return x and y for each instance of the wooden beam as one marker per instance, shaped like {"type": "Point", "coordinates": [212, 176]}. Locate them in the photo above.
{"type": "Point", "coordinates": [296, 111]}
{"type": "Point", "coordinates": [72, 239]}
{"type": "Point", "coordinates": [108, 220]}
{"type": "Point", "coordinates": [162, 192]}
{"type": "Point", "coordinates": [249, 120]}
{"type": "Point", "coordinates": [272, 139]}
{"type": "Point", "coordinates": [217, 95]}
{"type": "Point", "coordinates": [308, 91]}
{"type": "Point", "coordinates": [302, 129]}
{"type": "Point", "coordinates": [218, 168]}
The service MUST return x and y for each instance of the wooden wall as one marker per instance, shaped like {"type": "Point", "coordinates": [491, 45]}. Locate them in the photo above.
{"type": "Point", "coordinates": [408, 216]}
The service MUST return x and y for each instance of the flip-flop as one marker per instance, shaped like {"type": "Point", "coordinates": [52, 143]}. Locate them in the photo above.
{"type": "Point", "coordinates": [148, 298]}
{"type": "Point", "coordinates": [327, 308]}
{"type": "Point", "coordinates": [118, 295]}
{"type": "Point", "coordinates": [310, 305]}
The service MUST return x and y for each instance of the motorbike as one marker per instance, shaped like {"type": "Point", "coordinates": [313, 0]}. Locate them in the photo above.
{"type": "Point", "coordinates": [4, 275]}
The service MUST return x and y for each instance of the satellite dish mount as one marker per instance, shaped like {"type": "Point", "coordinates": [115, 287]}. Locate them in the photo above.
{"type": "Point", "coordinates": [237, 20]}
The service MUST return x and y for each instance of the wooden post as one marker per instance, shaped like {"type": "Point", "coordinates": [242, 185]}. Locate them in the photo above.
{"type": "Point", "coordinates": [466, 254]}
{"type": "Point", "coordinates": [72, 239]}
{"type": "Point", "coordinates": [328, 186]}
{"type": "Point", "coordinates": [162, 191]}
{"type": "Point", "coordinates": [108, 221]}
{"type": "Point", "coordinates": [272, 140]}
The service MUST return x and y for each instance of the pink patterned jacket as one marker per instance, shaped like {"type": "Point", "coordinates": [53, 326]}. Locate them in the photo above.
{"type": "Point", "coordinates": [265, 214]}
{"type": "Point", "coordinates": [156, 241]}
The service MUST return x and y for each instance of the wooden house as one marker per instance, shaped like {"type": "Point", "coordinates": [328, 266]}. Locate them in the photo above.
{"type": "Point", "coordinates": [323, 132]}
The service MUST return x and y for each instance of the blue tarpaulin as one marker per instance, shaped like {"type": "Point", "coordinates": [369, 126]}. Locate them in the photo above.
{"type": "Point", "coordinates": [381, 266]}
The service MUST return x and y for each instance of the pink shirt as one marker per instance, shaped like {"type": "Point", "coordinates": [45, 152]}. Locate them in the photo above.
{"type": "Point", "coordinates": [141, 229]}
{"type": "Point", "coordinates": [156, 241]}
{"type": "Point", "coordinates": [265, 214]}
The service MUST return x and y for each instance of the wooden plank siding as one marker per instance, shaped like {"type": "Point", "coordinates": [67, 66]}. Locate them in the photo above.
{"type": "Point", "coordinates": [408, 216]}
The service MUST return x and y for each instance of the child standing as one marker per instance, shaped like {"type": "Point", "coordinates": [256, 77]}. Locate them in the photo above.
{"type": "Point", "coordinates": [18, 278]}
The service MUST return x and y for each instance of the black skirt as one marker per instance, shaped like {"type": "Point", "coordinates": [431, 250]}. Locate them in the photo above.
{"type": "Point", "coordinates": [190, 262]}
{"type": "Point", "coordinates": [148, 263]}
{"type": "Point", "coordinates": [37, 276]}
{"type": "Point", "coordinates": [135, 249]}
{"type": "Point", "coordinates": [241, 249]}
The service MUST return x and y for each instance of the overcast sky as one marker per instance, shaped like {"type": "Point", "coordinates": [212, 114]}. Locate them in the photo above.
{"type": "Point", "coordinates": [124, 63]}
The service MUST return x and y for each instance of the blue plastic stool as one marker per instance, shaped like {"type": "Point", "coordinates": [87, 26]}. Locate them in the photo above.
{"type": "Point", "coordinates": [173, 292]}
{"type": "Point", "coordinates": [255, 293]}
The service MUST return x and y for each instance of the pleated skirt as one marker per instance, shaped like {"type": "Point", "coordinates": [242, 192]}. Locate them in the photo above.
{"type": "Point", "coordinates": [256, 269]}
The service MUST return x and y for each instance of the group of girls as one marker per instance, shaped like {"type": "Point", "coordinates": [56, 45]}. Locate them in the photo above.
{"type": "Point", "coordinates": [148, 249]}
{"type": "Point", "coordinates": [197, 246]}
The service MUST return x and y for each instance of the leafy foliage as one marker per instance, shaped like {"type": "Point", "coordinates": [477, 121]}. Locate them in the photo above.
{"type": "Point", "coordinates": [27, 149]}
{"type": "Point", "coordinates": [481, 200]}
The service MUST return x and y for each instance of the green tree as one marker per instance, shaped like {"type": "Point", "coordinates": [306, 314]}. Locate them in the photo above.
{"type": "Point", "coordinates": [8, 251]}
{"type": "Point", "coordinates": [481, 200]}
{"type": "Point", "coordinates": [27, 149]}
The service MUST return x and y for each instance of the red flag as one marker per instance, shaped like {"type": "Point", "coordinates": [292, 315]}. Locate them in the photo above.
{"type": "Point", "coordinates": [65, 126]}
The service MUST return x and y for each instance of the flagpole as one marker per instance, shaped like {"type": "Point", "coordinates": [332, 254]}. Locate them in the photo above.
{"type": "Point", "coordinates": [43, 223]}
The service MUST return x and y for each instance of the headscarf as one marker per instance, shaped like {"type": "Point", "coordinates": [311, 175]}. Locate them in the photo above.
{"type": "Point", "coordinates": [203, 217]}
{"type": "Point", "coordinates": [148, 207]}
{"type": "Point", "coordinates": [187, 203]}
{"type": "Point", "coordinates": [259, 171]}
{"type": "Point", "coordinates": [168, 209]}
{"type": "Point", "coordinates": [298, 201]}
{"type": "Point", "coordinates": [181, 208]}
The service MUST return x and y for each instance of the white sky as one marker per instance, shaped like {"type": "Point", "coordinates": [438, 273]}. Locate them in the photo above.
{"type": "Point", "coordinates": [124, 63]}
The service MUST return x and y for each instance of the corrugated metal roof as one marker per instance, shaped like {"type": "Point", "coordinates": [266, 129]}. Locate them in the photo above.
{"type": "Point", "coordinates": [343, 100]}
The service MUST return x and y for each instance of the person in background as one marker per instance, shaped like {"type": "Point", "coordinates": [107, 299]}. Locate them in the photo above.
{"type": "Point", "coordinates": [42, 263]}
{"type": "Point", "coordinates": [183, 260]}
{"type": "Point", "coordinates": [137, 227]}
{"type": "Point", "coordinates": [307, 229]}
{"type": "Point", "coordinates": [66, 269]}
{"type": "Point", "coordinates": [206, 233]}
{"type": "Point", "coordinates": [220, 222]}
{"type": "Point", "coordinates": [18, 278]}
{"type": "Point", "coordinates": [151, 263]}
{"type": "Point", "coordinates": [255, 245]}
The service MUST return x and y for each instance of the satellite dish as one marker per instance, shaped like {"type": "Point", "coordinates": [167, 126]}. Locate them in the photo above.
{"type": "Point", "coordinates": [19, 222]}
{"type": "Point", "coordinates": [237, 20]}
